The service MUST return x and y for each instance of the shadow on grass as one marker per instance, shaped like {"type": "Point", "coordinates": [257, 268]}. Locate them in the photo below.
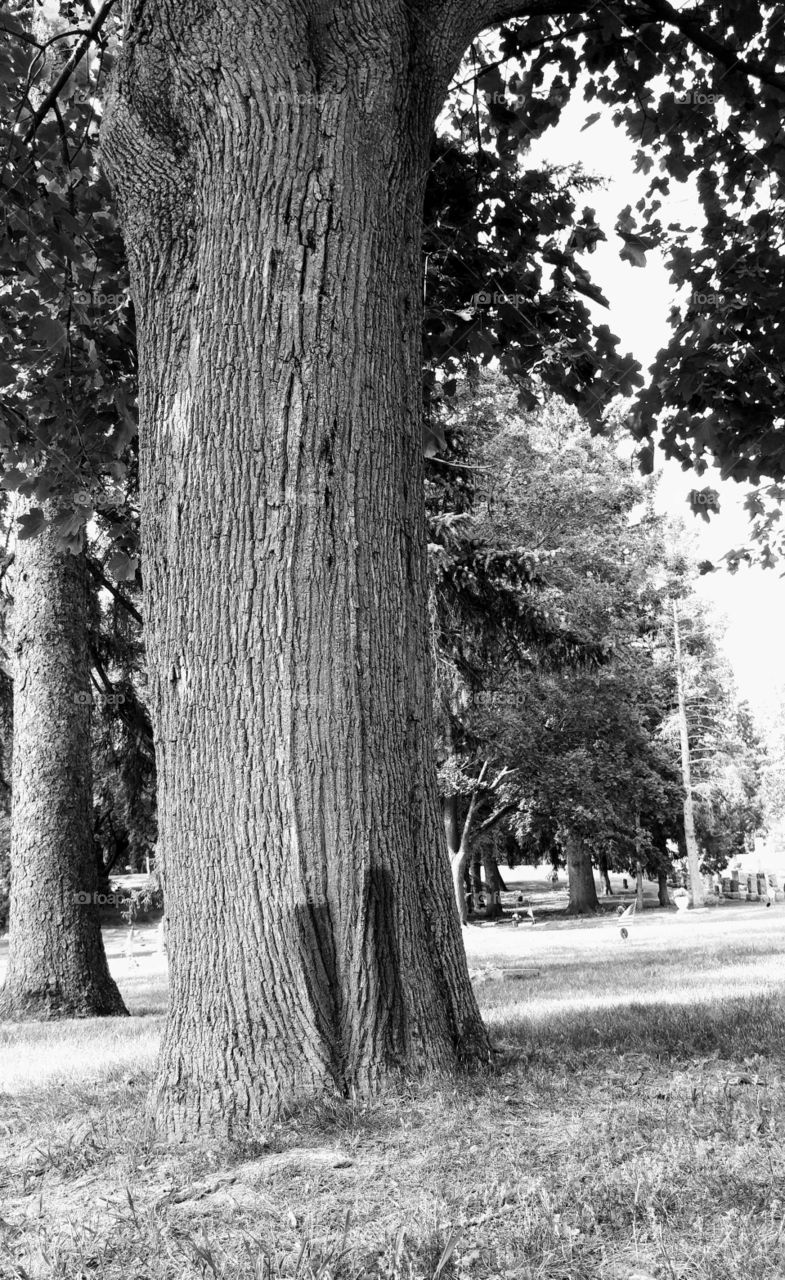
{"type": "Point", "coordinates": [687, 1026]}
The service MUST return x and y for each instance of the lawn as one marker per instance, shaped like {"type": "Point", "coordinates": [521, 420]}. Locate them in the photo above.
{"type": "Point", "coordinates": [632, 1127]}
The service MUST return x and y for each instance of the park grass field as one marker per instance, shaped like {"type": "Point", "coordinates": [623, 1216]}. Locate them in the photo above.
{"type": "Point", "coordinates": [632, 1128]}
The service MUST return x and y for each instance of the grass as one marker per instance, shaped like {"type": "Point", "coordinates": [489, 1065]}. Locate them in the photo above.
{"type": "Point", "coordinates": [633, 1126]}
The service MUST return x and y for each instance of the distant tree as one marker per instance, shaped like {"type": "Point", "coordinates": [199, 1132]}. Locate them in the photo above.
{"type": "Point", "coordinates": [728, 755]}
{"type": "Point", "coordinates": [773, 771]}
{"type": "Point", "coordinates": [491, 617]}
{"type": "Point", "coordinates": [593, 780]}
{"type": "Point", "coordinates": [124, 761]}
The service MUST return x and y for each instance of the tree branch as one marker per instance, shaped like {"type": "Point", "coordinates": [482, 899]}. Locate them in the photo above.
{"type": "Point", "coordinates": [70, 66]}
{"type": "Point", "coordinates": [500, 813]}
{"type": "Point", "coordinates": [472, 807]}
{"type": "Point", "coordinates": [500, 11]}
{"type": "Point", "coordinates": [502, 774]}
{"type": "Point", "coordinates": [715, 48]}
{"type": "Point", "coordinates": [102, 580]}
{"type": "Point", "coordinates": [130, 710]}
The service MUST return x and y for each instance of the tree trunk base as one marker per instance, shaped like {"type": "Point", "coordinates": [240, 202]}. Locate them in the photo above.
{"type": "Point", "coordinates": [233, 1109]}
{"type": "Point", "coordinates": [583, 890]}
{"type": "Point", "coordinates": [49, 1005]}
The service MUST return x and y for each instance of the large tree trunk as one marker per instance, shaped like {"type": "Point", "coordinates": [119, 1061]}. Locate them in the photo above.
{"type": "Point", "coordinates": [269, 164]}
{"type": "Point", "coordinates": [6, 744]}
{"type": "Point", "coordinates": [583, 890]}
{"type": "Point", "coordinates": [57, 965]}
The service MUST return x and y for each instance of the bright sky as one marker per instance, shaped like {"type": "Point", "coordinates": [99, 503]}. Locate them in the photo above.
{"type": "Point", "coordinates": [753, 599]}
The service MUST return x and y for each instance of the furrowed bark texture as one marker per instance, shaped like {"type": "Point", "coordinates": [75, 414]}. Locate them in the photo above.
{"type": "Point", "coordinates": [57, 964]}
{"type": "Point", "coordinates": [269, 168]}
{"type": "Point", "coordinates": [583, 890]}
{"type": "Point", "coordinates": [6, 742]}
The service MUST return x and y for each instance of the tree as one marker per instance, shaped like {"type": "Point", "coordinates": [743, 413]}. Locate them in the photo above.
{"type": "Point", "coordinates": [331, 849]}
{"type": "Point", "coordinates": [593, 780]}
{"type": "Point", "coordinates": [57, 965]}
{"type": "Point", "coordinates": [690, 842]}
{"type": "Point", "coordinates": [773, 771]}
{"type": "Point", "coordinates": [489, 618]}
{"type": "Point", "coordinates": [123, 752]}
{"type": "Point", "coordinates": [312, 300]}
{"type": "Point", "coordinates": [728, 758]}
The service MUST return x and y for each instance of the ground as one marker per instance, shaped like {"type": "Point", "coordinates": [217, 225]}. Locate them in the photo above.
{"type": "Point", "coordinates": [631, 1127]}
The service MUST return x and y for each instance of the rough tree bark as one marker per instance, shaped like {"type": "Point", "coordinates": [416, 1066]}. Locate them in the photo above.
{"type": "Point", "coordinates": [6, 744]}
{"type": "Point", "coordinates": [268, 161]}
{"type": "Point", "coordinates": [57, 964]}
{"type": "Point", "coordinates": [583, 890]}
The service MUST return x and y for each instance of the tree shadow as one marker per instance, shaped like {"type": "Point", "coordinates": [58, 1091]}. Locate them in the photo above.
{"type": "Point", "coordinates": [680, 1025]}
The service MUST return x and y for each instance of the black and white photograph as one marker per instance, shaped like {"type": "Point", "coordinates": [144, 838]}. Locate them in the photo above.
{"type": "Point", "coordinates": [392, 640]}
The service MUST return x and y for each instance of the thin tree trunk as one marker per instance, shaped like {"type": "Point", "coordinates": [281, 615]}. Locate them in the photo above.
{"type": "Point", "coordinates": [493, 907]}
{"type": "Point", "coordinates": [697, 890]}
{"type": "Point", "coordinates": [605, 876]}
{"type": "Point", "coordinates": [269, 169]}
{"type": "Point", "coordinates": [662, 889]}
{"type": "Point", "coordinates": [583, 891]}
{"type": "Point", "coordinates": [459, 857]}
{"type": "Point", "coordinates": [458, 867]}
{"type": "Point", "coordinates": [57, 964]}
{"type": "Point", "coordinates": [475, 873]}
